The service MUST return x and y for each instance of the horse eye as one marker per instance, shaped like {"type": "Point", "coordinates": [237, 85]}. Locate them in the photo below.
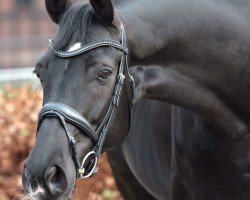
{"type": "Point", "coordinates": [104, 74]}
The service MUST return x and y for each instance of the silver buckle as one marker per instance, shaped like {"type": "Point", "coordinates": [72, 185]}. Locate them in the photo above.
{"type": "Point", "coordinates": [94, 168]}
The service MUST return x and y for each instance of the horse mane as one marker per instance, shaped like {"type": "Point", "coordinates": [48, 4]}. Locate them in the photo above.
{"type": "Point", "coordinates": [74, 26]}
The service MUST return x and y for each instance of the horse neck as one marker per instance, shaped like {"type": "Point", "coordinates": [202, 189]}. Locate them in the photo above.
{"type": "Point", "coordinates": [141, 22]}
{"type": "Point", "coordinates": [151, 25]}
{"type": "Point", "coordinates": [193, 27]}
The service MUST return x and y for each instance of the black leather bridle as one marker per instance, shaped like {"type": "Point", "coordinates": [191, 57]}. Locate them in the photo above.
{"type": "Point", "coordinates": [66, 114]}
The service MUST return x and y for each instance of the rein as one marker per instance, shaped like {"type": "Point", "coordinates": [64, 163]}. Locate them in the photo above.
{"type": "Point", "coordinates": [66, 114]}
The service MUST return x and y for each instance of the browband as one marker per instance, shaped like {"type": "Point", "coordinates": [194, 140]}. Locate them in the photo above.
{"type": "Point", "coordinates": [87, 47]}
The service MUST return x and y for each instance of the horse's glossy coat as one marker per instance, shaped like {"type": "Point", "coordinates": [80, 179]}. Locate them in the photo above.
{"type": "Point", "coordinates": [192, 54]}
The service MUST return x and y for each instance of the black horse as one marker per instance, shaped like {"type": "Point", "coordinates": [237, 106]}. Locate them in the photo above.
{"type": "Point", "coordinates": [191, 54]}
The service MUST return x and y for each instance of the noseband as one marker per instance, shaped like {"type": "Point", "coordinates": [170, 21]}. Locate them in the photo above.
{"type": "Point", "coordinates": [66, 114]}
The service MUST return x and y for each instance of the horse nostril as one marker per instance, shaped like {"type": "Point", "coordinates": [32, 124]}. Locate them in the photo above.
{"type": "Point", "coordinates": [55, 180]}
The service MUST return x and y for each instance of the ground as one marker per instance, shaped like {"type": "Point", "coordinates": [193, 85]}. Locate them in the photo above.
{"type": "Point", "coordinates": [18, 118]}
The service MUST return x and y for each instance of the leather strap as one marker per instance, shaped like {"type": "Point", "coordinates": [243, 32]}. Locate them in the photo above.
{"type": "Point", "coordinates": [87, 47]}
{"type": "Point", "coordinates": [53, 109]}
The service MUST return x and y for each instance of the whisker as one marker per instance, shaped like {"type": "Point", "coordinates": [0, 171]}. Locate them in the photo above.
{"type": "Point", "coordinates": [64, 197]}
{"type": "Point", "coordinates": [35, 94]}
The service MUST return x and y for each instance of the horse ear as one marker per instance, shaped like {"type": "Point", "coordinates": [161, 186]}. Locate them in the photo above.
{"type": "Point", "coordinates": [56, 9]}
{"type": "Point", "coordinates": [104, 10]}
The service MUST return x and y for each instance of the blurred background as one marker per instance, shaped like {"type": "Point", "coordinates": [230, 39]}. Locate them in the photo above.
{"type": "Point", "coordinates": [24, 31]}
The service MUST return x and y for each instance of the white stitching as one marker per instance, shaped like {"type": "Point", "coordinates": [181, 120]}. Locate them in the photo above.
{"type": "Point", "coordinates": [88, 47]}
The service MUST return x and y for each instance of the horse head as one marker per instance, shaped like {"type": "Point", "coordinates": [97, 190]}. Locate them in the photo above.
{"type": "Point", "coordinates": [86, 109]}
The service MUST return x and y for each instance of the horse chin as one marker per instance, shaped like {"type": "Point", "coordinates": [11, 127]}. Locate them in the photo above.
{"type": "Point", "coordinates": [40, 193]}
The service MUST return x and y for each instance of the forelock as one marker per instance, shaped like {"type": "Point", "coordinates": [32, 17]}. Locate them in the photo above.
{"type": "Point", "coordinates": [75, 25]}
